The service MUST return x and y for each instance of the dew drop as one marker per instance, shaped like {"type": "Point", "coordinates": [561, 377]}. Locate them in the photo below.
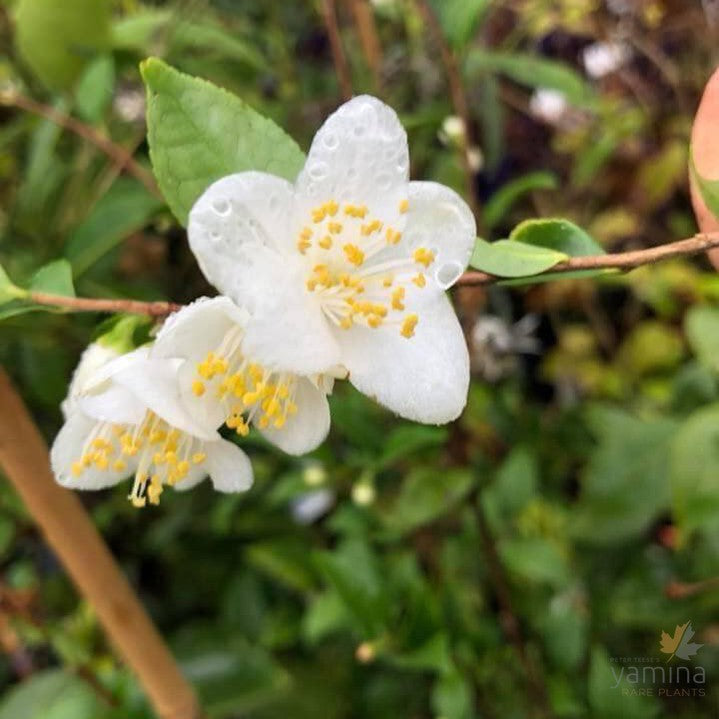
{"type": "Point", "coordinates": [222, 207]}
{"type": "Point", "coordinates": [448, 274]}
{"type": "Point", "coordinates": [331, 141]}
{"type": "Point", "coordinates": [318, 171]}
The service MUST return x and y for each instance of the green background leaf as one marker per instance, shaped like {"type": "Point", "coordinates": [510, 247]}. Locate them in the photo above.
{"type": "Point", "coordinates": [199, 133]}
{"type": "Point", "coordinates": [507, 258]}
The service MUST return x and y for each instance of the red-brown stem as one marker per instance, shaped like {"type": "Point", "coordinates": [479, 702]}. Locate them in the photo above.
{"type": "Point", "coordinates": [74, 539]}
{"type": "Point", "coordinates": [342, 69]}
{"type": "Point", "coordinates": [459, 102]}
{"type": "Point", "coordinates": [120, 157]}
{"type": "Point", "coordinates": [621, 260]}
{"type": "Point", "coordinates": [87, 304]}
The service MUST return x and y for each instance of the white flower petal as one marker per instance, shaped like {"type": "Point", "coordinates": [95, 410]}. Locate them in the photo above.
{"type": "Point", "coordinates": [206, 410]}
{"type": "Point", "coordinates": [68, 448]}
{"type": "Point", "coordinates": [424, 378]}
{"type": "Point", "coordinates": [198, 328]}
{"type": "Point", "coordinates": [116, 404]}
{"type": "Point", "coordinates": [228, 466]}
{"type": "Point", "coordinates": [93, 358]}
{"type": "Point", "coordinates": [233, 220]}
{"type": "Point", "coordinates": [307, 429]}
{"type": "Point", "coordinates": [155, 383]}
{"type": "Point", "coordinates": [358, 156]}
{"type": "Point", "coordinates": [440, 220]}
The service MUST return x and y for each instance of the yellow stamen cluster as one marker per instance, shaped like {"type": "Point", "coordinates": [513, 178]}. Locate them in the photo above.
{"type": "Point", "coordinates": [155, 444]}
{"type": "Point", "coordinates": [248, 391]}
{"type": "Point", "coordinates": [346, 269]}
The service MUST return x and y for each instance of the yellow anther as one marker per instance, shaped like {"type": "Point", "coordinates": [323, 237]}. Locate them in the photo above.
{"type": "Point", "coordinates": [423, 256]}
{"type": "Point", "coordinates": [374, 321]}
{"type": "Point", "coordinates": [250, 398]}
{"type": "Point", "coordinates": [100, 443]}
{"type": "Point", "coordinates": [325, 243]}
{"type": "Point", "coordinates": [319, 214]}
{"type": "Point", "coordinates": [397, 297]}
{"type": "Point", "coordinates": [303, 245]}
{"type": "Point", "coordinates": [198, 457]}
{"type": "Point", "coordinates": [334, 227]}
{"type": "Point", "coordinates": [306, 233]}
{"type": "Point", "coordinates": [256, 372]}
{"type": "Point", "coordinates": [219, 366]}
{"type": "Point", "coordinates": [346, 322]}
{"type": "Point", "coordinates": [419, 280]}
{"type": "Point", "coordinates": [198, 389]}
{"type": "Point", "coordinates": [370, 227]}
{"type": "Point", "coordinates": [354, 254]}
{"type": "Point", "coordinates": [331, 208]}
{"type": "Point", "coordinates": [243, 429]}
{"type": "Point", "coordinates": [170, 457]}
{"type": "Point", "coordinates": [280, 422]}
{"type": "Point", "coordinates": [204, 369]}
{"type": "Point", "coordinates": [158, 458]}
{"type": "Point", "coordinates": [392, 236]}
{"type": "Point", "coordinates": [356, 211]}
{"type": "Point", "coordinates": [387, 281]}
{"type": "Point", "coordinates": [155, 489]}
{"type": "Point", "coordinates": [380, 310]}
{"type": "Point", "coordinates": [101, 462]}
{"type": "Point", "coordinates": [404, 206]}
{"type": "Point", "coordinates": [119, 465]}
{"type": "Point", "coordinates": [408, 325]}
{"type": "Point", "coordinates": [138, 502]}
{"type": "Point", "coordinates": [182, 468]}
{"type": "Point", "coordinates": [77, 468]}
{"type": "Point", "coordinates": [159, 435]}
{"type": "Point", "coordinates": [283, 391]}
{"type": "Point", "coordinates": [264, 422]}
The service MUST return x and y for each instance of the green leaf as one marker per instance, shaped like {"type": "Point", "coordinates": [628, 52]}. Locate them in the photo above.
{"type": "Point", "coordinates": [409, 439]}
{"type": "Point", "coordinates": [50, 694]}
{"type": "Point", "coordinates": [502, 200]}
{"type": "Point", "coordinates": [708, 189]}
{"type": "Point", "coordinates": [124, 209]}
{"type": "Point", "coordinates": [95, 89]}
{"type": "Point", "coordinates": [460, 18]}
{"type": "Point", "coordinates": [54, 278]}
{"type": "Point", "coordinates": [625, 486]}
{"type": "Point", "coordinates": [535, 560]}
{"type": "Point", "coordinates": [701, 326]}
{"type": "Point", "coordinates": [452, 696]}
{"type": "Point", "coordinates": [533, 71]}
{"type": "Point", "coordinates": [199, 133]}
{"type": "Point", "coordinates": [562, 236]}
{"type": "Point", "coordinates": [8, 290]}
{"type": "Point", "coordinates": [506, 258]}
{"type": "Point", "coordinates": [56, 39]}
{"type": "Point", "coordinates": [693, 470]}
{"type": "Point", "coordinates": [557, 234]}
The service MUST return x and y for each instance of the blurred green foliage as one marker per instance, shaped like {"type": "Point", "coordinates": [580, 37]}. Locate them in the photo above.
{"type": "Point", "coordinates": [495, 567]}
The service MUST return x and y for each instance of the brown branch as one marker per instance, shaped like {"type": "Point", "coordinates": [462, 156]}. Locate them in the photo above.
{"type": "Point", "coordinates": [344, 78]}
{"type": "Point", "coordinates": [507, 616]}
{"type": "Point", "coordinates": [118, 154]}
{"type": "Point", "coordinates": [701, 242]}
{"type": "Point", "coordinates": [73, 537]}
{"type": "Point", "coordinates": [622, 261]}
{"type": "Point", "coordinates": [459, 103]}
{"type": "Point", "coordinates": [369, 39]}
{"type": "Point", "coordinates": [86, 304]}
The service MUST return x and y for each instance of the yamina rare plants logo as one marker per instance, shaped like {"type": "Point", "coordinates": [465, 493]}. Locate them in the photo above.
{"type": "Point", "coordinates": [679, 644]}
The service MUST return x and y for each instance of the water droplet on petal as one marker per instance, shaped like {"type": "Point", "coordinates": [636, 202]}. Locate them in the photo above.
{"type": "Point", "coordinates": [448, 273]}
{"type": "Point", "coordinates": [222, 207]}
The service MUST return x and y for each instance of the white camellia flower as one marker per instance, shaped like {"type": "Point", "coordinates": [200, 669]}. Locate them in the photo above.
{"type": "Point", "coordinates": [127, 418]}
{"type": "Point", "coordinates": [348, 266]}
{"type": "Point", "coordinates": [220, 383]}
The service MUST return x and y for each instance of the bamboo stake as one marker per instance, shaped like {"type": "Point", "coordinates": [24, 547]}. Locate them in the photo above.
{"type": "Point", "coordinates": [73, 537]}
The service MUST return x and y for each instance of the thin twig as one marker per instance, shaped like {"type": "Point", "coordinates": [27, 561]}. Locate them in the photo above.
{"type": "Point", "coordinates": [459, 103]}
{"type": "Point", "coordinates": [74, 539]}
{"type": "Point", "coordinates": [369, 39]}
{"type": "Point", "coordinates": [118, 154]}
{"type": "Point", "coordinates": [344, 78]}
{"type": "Point", "coordinates": [87, 304]}
{"type": "Point", "coordinates": [623, 261]}
{"type": "Point", "coordinates": [701, 242]}
{"type": "Point", "coordinates": [507, 616]}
